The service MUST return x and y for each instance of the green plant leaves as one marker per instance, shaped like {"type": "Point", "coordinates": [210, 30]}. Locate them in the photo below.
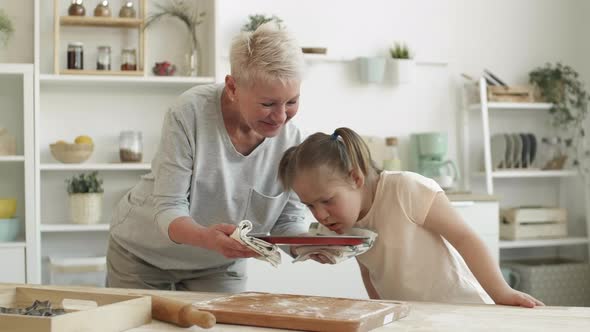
{"type": "Point", "coordinates": [85, 183]}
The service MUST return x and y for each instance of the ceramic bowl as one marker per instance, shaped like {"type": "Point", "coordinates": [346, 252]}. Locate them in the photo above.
{"type": "Point", "coordinates": [9, 229]}
{"type": "Point", "coordinates": [7, 207]}
{"type": "Point", "coordinates": [71, 153]}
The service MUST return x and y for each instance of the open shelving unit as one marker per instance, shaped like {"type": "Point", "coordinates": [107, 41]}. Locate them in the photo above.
{"type": "Point", "coordinates": [490, 175]}
{"type": "Point", "coordinates": [99, 22]}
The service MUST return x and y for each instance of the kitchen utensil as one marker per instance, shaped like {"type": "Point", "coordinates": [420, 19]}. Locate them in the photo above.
{"type": "Point", "coordinates": [301, 312]}
{"type": "Point", "coordinates": [533, 148]}
{"type": "Point", "coordinates": [180, 313]}
{"type": "Point", "coordinates": [7, 207]}
{"type": "Point", "coordinates": [524, 156]}
{"type": "Point", "coordinates": [9, 229]}
{"type": "Point", "coordinates": [498, 147]}
{"type": "Point", "coordinates": [312, 240]}
{"type": "Point", "coordinates": [508, 152]}
{"type": "Point", "coordinates": [517, 150]}
{"type": "Point", "coordinates": [494, 77]}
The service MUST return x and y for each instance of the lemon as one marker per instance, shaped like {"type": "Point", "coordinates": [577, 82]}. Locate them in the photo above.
{"type": "Point", "coordinates": [83, 140]}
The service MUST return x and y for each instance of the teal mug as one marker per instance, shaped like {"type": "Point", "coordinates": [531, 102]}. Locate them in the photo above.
{"type": "Point", "coordinates": [511, 277]}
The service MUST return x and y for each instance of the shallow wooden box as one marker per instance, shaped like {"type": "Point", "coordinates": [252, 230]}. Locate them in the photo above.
{"type": "Point", "coordinates": [532, 223]}
{"type": "Point", "coordinates": [112, 313]}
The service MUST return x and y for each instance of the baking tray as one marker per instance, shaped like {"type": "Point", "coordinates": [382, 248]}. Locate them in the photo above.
{"type": "Point", "coordinates": [318, 240]}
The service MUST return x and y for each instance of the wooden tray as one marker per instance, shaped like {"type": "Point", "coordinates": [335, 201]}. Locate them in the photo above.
{"type": "Point", "coordinates": [299, 312]}
{"type": "Point", "coordinates": [112, 313]}
{"type": "Point", "coordinates": [312, 240]}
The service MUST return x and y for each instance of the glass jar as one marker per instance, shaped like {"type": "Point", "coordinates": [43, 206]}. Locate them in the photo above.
{"type": "Point", "coordinates": [128, 59]}
{"type": "Point", "coordinates": [103, 58]}
{"type": "Point", "coordinates": [76, 8]}
{"type": "Point", "coordinates": [127, 10]}
{"type": "Point", "coordinates": [392, 161]}
{"type": "Point", "coordinates": [130, 146]}
{"type": "Point", "coordinates": [102, 9]}
{"type": "Point", "coordinates": [75, 55]}
{"type": "Point", "coordinates": [553, 157]}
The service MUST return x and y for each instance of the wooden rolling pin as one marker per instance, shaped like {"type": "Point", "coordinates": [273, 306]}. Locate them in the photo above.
{"type": "Point", "coordinates": [180, 313]}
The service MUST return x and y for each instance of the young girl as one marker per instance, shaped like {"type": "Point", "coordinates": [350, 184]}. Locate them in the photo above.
{"type": "Point", "coordinates": [423, 245]}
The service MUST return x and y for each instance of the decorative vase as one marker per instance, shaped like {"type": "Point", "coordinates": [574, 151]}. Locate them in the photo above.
{"type": "Point", "coordinates": [371, 69]}
{"type": "Point", "coordinates": [193, 57]}
{"type": "Point", "coordinates": [85, 208]}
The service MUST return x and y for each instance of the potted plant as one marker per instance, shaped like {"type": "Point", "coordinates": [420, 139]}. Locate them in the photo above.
{"type": "Point", "coordinates": [6, 27]}
{"type": "Point", "coordinates": [85, 192]}
{"type": "Point", "coordinates": [400, 63]}
{"type": "Point", "coordinates": [189, 14]}
{"type": "Point", "coordinates": [256, 20]}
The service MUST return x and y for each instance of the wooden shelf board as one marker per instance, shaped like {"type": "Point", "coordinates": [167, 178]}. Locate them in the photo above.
{"type": "Point", "coordinates": [12, 244]}
{"type": "Point", "coordinates": [96, 166]}
{"type": "Point", "coordinates": [107, 22]}
{"type": "Point", "coordinates": [537, 173]}
{"type": "Point", "coordinates": [50, 79]}
{"type": "Point", "coordinates": [8, 159]}
{"type": "Point", "coordinates": [101, 72]}
{"type": "Point", "coordinates": [513, 106]}
{"type": "Point", "coordinates": [505, 244]}
{"type": "Point", "coordinates": [63, 228]}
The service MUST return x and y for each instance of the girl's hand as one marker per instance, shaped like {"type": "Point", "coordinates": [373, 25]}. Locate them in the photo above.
{"type": "Point", "coordinates": [516, 298]}
{"type": "Point", "coordinates": [217, 239]}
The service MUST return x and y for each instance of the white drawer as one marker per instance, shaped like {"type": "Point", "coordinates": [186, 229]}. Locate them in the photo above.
{"type": "Point", "coordinates": [12, 260]}
{"type": "Point", "coordinates": [483, 217]}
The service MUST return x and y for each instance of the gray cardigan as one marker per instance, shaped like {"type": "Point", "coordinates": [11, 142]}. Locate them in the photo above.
{"type": "Point", "coordinates": [197, 172]}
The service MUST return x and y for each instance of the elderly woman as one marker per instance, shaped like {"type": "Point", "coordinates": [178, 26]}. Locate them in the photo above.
{"type": "Point", "coordinates": [215, 166]}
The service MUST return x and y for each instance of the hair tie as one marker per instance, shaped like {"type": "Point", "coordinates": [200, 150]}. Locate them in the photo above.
{"type": "Point", "coordinates": [334, 136]}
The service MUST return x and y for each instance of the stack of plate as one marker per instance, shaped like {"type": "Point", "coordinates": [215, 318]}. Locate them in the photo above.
{"type": "Point", "coordinates": [513, 150]}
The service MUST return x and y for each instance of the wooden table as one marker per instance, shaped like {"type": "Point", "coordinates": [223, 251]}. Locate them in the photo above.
{"type": "Point", "coordinates": [422, 317]}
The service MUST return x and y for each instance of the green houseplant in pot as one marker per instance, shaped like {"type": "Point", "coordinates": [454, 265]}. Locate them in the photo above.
{"type": "Point", "coordinates": [400, 63]}
{"type": "Point", "coordinates": [256, 20]}
{"type": "Point", "coordinates": [6, 28]}
{"type": "Point", "coordinates": [85, 195]}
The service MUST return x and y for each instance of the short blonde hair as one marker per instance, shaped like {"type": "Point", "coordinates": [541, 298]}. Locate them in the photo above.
{"type": "Point", "coordinates": [269, 54]}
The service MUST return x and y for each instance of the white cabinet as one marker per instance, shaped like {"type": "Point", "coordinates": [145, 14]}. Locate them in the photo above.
{"type": "Point", "coordinates": [12, 260]}
{"type": "Point", "coordinates": [482, 217]}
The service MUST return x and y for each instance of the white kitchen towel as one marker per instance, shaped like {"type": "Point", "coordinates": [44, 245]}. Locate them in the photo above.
{"type": "Point", "coordinates": [268, 251]}
{"type": "Point", "coordinates": [335, 254]}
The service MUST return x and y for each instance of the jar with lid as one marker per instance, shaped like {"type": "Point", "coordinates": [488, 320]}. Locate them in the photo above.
{"type": "Point", "coordinates": [75, 55]}
{"type": "Point", "coordinates": [76, 8]}
{"type": "Point", "coordinates": [130, 146]}
{"type": "Point", "coordinates": [103, 58]}
{"type": "Point", "coordinates": [128, 59]}
{"type": "Point", "coordinates": [127, 10]}
{"type": "Point", "coordinates": [553, 157]}
{"type": "Point", "coordinates": [102, 9]}
{"type": "Point", "coordinates": [392, 160]}
{"type": "Point", "coordinates": [7, 143]}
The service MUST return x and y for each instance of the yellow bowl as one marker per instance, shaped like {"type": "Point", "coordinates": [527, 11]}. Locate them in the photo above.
{"type": "Point", "coordinates": [71, 153]}
{"type": "Point", "coordinates": [7, 208]}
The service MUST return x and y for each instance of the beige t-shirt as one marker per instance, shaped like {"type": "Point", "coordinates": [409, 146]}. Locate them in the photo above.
{"type": "Point", "coordinates": [408, 262]}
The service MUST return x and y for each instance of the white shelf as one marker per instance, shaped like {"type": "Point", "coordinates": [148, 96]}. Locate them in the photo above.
{"type": "Point", "coordinates": [570, 241]}
{"type": "Point", "coordinates": [50, 79]}
{"type": "Point", "coordinates": [12, 244]}
{"type": "Point", "coordinates": [15, 68]}
{"type": "Point", "coordinates": [9, 159]}
{"type": "Point", "coordinates": [511, 174]}
{"type": "Point", "coordinates": [96, 167]}
{"type": "Point", "coordinates": [65, 228]}
{"type": "Point", "coordinates": [325, 58]}
{"type": "Point", "coordinates": [514, 106]}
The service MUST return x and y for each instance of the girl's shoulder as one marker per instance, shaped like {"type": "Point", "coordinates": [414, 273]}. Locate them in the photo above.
{"type": "Point", "coordinates": [408, 181]}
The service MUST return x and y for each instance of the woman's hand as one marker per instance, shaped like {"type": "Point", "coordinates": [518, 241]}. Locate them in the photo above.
{"type": "Point", "coordinates": [216, 238]}
{"type": "Point", "coordinates": [516, 298]}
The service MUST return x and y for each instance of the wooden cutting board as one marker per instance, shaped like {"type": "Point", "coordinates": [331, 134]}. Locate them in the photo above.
{"type": "Point", "coordinates": [301, 312]}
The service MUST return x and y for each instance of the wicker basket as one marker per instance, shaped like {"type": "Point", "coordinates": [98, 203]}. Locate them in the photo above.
{"type": "Point", "coordinates": [85, 208]}
{"type": "Point", "coordinates": [71, 153]}
{"type": "Point", "coordinates": [554, 281]}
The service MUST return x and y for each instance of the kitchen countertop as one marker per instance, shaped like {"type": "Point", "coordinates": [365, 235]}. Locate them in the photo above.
{"type": "Point", "coordinates": [460, 196]}
{"type": "Point", "coordinates": [422, 317]}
